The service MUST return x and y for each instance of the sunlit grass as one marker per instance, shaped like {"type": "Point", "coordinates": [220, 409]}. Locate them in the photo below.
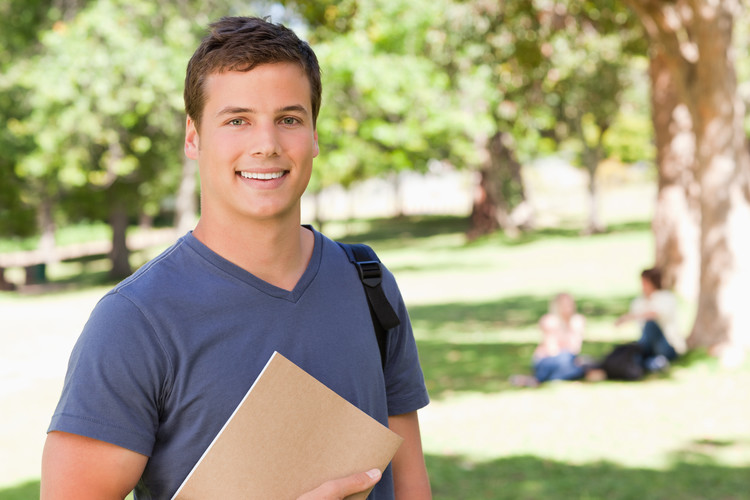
{"type": "Point", "coordinates": [474, 307]}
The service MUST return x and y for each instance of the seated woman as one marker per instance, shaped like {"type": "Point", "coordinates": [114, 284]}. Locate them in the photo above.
{"type": "Point", "coordinates": [557, 355]}
{"type": "Point", "coordinates": [656, 310]}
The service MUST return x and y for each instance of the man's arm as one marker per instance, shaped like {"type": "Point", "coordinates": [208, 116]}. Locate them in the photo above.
{"type": "Point", "coordinates": [81, 468]}
{"type": "Point", "coordinates": [410, 480]}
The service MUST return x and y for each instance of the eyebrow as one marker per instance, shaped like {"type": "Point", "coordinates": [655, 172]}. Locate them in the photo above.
{"type": "Point", "coordinates": [231, 110]}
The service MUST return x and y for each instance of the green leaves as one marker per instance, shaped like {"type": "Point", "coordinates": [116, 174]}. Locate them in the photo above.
{"type": "Point", "coordinates": [103, 88]}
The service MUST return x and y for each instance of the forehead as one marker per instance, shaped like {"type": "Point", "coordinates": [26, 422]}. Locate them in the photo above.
{"type": "Point", "coordinates": [264, 83]}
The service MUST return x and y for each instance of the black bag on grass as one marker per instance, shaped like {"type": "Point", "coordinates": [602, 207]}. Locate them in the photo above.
{"type": "Point", "coordinates": [625, 362]}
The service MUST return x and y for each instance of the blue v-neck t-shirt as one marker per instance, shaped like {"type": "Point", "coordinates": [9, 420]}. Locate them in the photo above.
{"type": "Point", "coordinates": [169, 353]}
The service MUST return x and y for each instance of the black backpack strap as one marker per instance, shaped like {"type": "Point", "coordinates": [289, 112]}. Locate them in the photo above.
{"type": "Point", "coordinates": [371, 273]}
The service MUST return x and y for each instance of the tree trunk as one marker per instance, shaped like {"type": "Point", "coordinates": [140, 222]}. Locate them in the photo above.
{"type": "Point", "coordinates": [483, 218]}
{"type": "Point", "coordinates": [500, 200]}
{"type": "Point", "coordinates": [696, 38]}
{"type": "Point", "coordinates": [120, 256]}
{"type": "Point", "coordinates": [186, 206]}
{"type": "Point", "coordinates": [723, 318]}
{"type": "Point", "coordinates": [676, 221]}
{"type": "Point", "coordinates": [319, 221]}
{"type": "Point", "coordinates": [398, 199]}
{"type": "Point", "coordinates": [591, 159]}
{"type": "Point", "coordinates": [46, 221]}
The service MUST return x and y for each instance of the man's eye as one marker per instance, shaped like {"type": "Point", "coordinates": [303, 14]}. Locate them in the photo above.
{"type": "Point", "coordinates": [289, 120]}
{"type": "Point", "coordinates": [236, 121]}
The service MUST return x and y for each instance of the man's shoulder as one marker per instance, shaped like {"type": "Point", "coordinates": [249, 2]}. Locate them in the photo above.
{"type": "Point", "coordinates": [164, 271]}
{"type": "Point", "coordinates": [664, 297]}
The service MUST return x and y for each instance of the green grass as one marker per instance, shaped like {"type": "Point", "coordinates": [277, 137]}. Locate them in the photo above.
{"type": "Point", "coordinates": [474, 308]}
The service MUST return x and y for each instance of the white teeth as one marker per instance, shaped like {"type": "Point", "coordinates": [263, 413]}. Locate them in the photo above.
{"type": "Point", "coordinates": [261, 176]}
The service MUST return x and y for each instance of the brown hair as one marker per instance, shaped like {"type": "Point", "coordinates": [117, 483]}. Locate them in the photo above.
{"type": "Point", "coordinates": [241, 44]}
{"type": "Point", "coordinates": [653, 275]}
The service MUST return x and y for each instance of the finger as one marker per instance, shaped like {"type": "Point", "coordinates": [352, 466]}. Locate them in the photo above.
{"type": "Point", "coordinates": [338, 489]}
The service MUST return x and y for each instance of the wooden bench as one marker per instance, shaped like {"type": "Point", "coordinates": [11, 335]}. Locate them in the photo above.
{"type": "Point", "coordinates": [34, 261]}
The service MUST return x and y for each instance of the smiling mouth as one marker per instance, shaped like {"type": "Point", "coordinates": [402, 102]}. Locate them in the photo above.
{"type": "Point", "coordinates": [263, 176]}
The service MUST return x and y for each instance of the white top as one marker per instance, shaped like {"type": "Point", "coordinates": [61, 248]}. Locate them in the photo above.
{"type": "Point", "coordinates": [664, 304]}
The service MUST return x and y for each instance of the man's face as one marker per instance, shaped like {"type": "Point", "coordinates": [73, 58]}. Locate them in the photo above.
{"type": "Point", "coordinates": [647, 287]}
{"type": "Point", "coordinates": [256, 143]}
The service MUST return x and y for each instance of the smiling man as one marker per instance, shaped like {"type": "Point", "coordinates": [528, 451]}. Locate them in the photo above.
{"type": "Point", "coordinates": [168, 354]}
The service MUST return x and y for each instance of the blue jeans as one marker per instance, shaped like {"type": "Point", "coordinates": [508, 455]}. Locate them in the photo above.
{"type": "Point", "coordinates": [560, 367]}
{"type": "Point", "coordinates": [654, 343]}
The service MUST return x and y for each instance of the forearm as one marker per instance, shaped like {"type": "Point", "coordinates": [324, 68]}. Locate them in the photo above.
{"type": "Point", "coordinates": [410, 479]}
{"type": "Point", "coordinates": [81, 468]}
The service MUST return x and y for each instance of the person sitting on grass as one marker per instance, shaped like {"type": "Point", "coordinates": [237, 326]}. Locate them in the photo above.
{"type": "Point", "coordinates": [557, 357]}
{"type": "Point", "coordinates": [656, 310]}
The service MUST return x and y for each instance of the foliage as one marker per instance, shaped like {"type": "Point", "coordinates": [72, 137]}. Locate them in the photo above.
{"type": "Point", "coordinates": [404, 82]}
{"type": "Point", "coordinates": [410, 81]}
{"type": "Point", "coordinates": [21, 21]}
{"type": "Point", "coordinates": [117, 111]}
{"type": "Point", "coordinates": [386, 107]}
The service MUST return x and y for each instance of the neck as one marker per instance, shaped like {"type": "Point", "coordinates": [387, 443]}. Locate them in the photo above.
{"type": "Point", "coordinates": [277, 253]}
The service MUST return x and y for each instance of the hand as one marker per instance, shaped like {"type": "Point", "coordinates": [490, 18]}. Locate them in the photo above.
{"type": "Point", "coordinates": [622, 319]}
{"type": "Point", "coordinates": [338, 489]}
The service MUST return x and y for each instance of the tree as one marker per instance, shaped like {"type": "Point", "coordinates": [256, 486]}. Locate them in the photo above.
{"type": "Point", "coordinates": [676, 221]}
{"type": "Point", "coordinates": [542, 75]}
{"type": "Point", "coordinates": [20, 23]}
{"type": "Point", "coordinates": [694, 40]}
{"type": "Point", "coordinates": [591, 47]}
{"type": "Point", "coordinates": [386, 106]}
{"type": "Point", "coordinates": [109, 122]}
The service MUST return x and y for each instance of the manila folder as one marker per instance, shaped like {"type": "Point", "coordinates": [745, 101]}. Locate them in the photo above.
{"type": "Point", "coordinates": [289, 435]}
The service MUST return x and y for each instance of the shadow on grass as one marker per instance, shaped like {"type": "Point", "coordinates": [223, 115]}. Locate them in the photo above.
{"type": "Point", "coordinates": [534, 235]}
{"type": "Point", "coordinates": [486, 367]}
{"type": "Point", "coordinates": [476, 347]}
{"type": "Point", "coordinates": [409, 227]}
{"type": "Point", "coordinates": [483, 367]}
{"type": "Point", "coordinates": [510, 312]}
{"type": "Point", "coordinates": [25, 491]}
{"type": "Point", "coordinates": [533, 478]}
{"type": "Point", "coordinates": [420, 226]}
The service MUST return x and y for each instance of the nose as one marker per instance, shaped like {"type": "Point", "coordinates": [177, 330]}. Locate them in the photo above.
{"type": "Point", "coordinates": [264, 140]}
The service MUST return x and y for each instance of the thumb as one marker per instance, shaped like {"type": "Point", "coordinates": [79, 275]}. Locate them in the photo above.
{"type": "Point", "coordinates": [338, 489]}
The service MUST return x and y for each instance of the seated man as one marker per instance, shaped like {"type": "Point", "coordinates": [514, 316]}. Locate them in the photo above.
{"type": "Point", "coordinates": [656, 310]}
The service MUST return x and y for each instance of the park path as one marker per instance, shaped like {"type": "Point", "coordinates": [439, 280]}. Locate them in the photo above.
{"type": "Point", "coordinates": [37, 333]}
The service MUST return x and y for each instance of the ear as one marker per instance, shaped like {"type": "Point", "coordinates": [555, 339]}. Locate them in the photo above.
{"type": "Point", "coordinates": [192, 141]}
{"type": "Point", "coordinates": [316, 148]}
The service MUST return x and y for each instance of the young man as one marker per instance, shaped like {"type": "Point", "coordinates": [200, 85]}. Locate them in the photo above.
{"type": "Point", "coordinates": [168, 354]}
{"type": "Point", "coordinates": [656, 311]}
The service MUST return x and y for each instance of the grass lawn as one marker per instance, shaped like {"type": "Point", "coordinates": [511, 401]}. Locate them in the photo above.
{"type": "Point", "coordinates": [474, 307]}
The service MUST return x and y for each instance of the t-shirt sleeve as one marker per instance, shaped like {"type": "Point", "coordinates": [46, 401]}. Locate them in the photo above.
{"type": "Point", "coordinates": [405, 385]}
{"type": "Point", "coordinates": [115, 379]}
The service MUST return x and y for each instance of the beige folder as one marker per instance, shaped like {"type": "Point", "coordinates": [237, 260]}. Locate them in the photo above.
{"type": "Point", "coordinates": [289, 434]}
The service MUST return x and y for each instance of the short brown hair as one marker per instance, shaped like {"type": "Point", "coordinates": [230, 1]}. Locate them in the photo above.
{"type": "Point", "coordinates": [653, 275]}
{"type": "Point", "coordinates": [241, 44]}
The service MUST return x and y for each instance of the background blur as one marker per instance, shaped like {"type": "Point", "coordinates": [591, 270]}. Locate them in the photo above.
{"type": "Point", "coordinates": [493, 153]}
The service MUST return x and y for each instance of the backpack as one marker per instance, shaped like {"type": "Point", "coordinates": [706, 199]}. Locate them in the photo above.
{"type": "Point", "coordinates": [371, 273]}
{"type": "Point", "coordinates": [624, 362]}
